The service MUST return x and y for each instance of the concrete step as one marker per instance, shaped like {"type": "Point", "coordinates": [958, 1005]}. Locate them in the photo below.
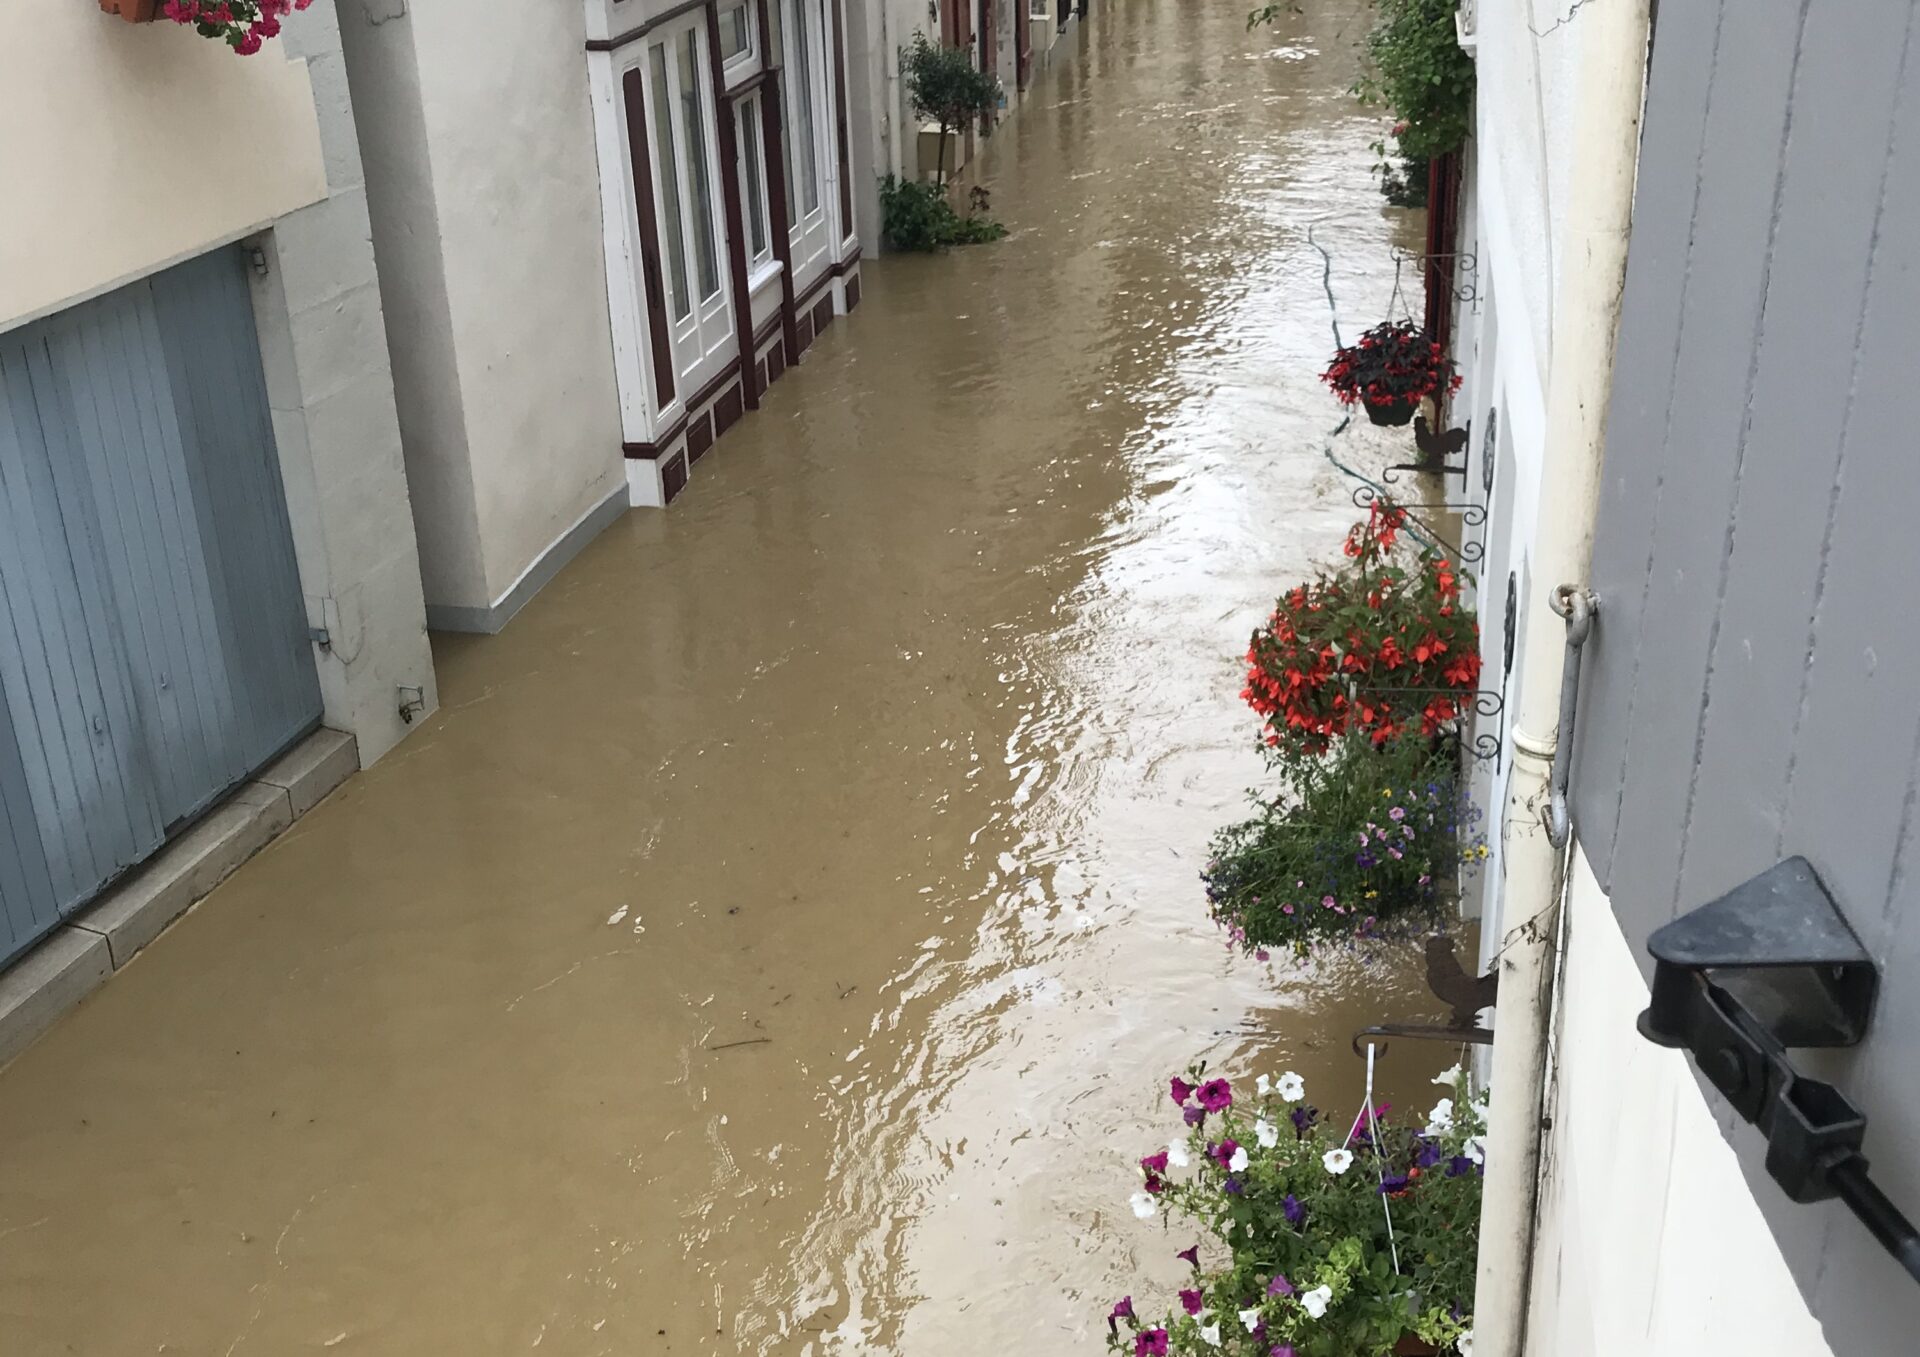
{"type": "Point", "coordinates": [106, 934]}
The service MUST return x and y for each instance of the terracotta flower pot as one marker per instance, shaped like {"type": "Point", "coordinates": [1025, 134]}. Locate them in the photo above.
{"type": "Point", "coordinates": [1411, 1345]}
{"type": "Point", "coordinates": [133, 11]}
{"type": "Point", "coordinates": [1393, 415]}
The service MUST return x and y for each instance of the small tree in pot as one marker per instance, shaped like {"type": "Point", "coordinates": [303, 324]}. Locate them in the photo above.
{"type": "Point", "coordinates": [1389, 371]}
{"type": "Point", "coordinates": [944, 87]}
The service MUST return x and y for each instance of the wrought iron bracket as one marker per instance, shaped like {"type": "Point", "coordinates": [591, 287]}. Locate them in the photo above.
{"type": "Point", "coordinates": [1469, 1034]}
{"type": "Point", "coordinates": [1771, 965]}
{"type": "Point", "coordinates": [1472, 515]}
{"type": "Point", "coordinates": [1463, 284]}
{"type": "Point", "coordinates": [1485, 702]}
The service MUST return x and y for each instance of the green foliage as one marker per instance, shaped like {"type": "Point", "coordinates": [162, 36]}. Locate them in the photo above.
{"type": "Point", "coordinates": [1421, 75]}
{"type": "Point", "coordinates": [1405, 184]}
{"type": "Point", "coordinates": [1370, 836]}
{"type": "Point", "coordinates": [917, 216]}
{"type": "Point", "coordinates": [1301, 1258]}
{"type": "Point", "coordinates": [944, 87]}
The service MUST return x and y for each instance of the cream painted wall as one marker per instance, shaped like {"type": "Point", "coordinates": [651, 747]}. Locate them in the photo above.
{"type": "Point", "coordinates": [1650, 1240]}
{"type": "Point", "coordinates": [510, 129]}
{"type": "Point", "coordinates": [128, 147]}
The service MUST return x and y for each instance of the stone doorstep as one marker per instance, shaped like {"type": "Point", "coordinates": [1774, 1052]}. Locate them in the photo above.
{"type": "Point", "coordinates": [106, 934]}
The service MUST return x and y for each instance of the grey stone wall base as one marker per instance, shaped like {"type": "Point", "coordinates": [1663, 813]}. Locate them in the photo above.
{"type": "Point", "coordinates": [105, 935]}
{"type": "Point", "coordinates": [490, 620]}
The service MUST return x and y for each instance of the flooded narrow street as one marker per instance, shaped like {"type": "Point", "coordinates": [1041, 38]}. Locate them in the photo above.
{"type": "Point", "coordinates": [778, 942]}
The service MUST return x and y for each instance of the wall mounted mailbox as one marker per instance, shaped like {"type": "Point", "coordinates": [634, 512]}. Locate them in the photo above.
{"type": "Point", "coordinates": [1769, 966]}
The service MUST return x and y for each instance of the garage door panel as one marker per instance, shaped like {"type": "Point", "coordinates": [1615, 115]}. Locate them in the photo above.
{"type": "Point", "coordinates": [203, 309]}
{"type": "Point", "coordinates": [128, 432]}
{"type": "Point", "coordinates": [68, 700]}
{"type": "Point", "coordinates": [153, 646]}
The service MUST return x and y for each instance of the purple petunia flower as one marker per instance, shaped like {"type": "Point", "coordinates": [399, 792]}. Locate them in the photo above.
{"type": "Point", "coordinates": [1192, 1301]}
{"type": "Point", "coordinates": [1396, 814]}
{"type": "Point", "coordinates": [1191, 1255]}
{"type": "Point", "coordinates": [1294, 1210]}
{"type": "Point", "coordinates": [1193, 1114]}
{"type": "Point", "coordinates": [1282, 1350]}
{"type": "Point", "coordinates": [1458, 1165]}
{"type": "Point", "coordinates": [1150, 1343]}
{"type": "Point", "coordinates": [1155, 1163]}
{"type": "Point", "coordinates": [1180, 1089]}
{"type": "Point", "coordinates": [1280, 1286]}
{"type": "Point", "coordinates": [1430, 1153]}
{"type": "Point", "coordinates": [1216, 1095]}
{"type": "Point", "coordinates": [1304, 1119]}
{"type": "Point", "coordinates": [1393, 1182]}
{"type": "Point", "coordinates": [1222, 1154]}
{"type": "Point", "coordinates": [1122, 1308]}
{"type": "Point", "coordinates": [1232, 1187]}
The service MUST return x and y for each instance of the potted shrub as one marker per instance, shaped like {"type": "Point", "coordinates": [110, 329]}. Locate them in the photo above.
{"type": "Point", "coordinates": [1389, 371]}
{"type": "Point", "coordinates": [1380, 646]}
{"type": "Point", "coordinates": [1297, 1257]}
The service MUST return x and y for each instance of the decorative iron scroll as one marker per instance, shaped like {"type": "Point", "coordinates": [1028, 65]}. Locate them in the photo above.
{"type": "Point", "coordinates": [1472, 515]}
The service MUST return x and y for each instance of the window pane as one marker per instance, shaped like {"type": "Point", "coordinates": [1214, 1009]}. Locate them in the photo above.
{"type": "Point", "coordinates": [800, 79]}
{"type": "Point", "coordinates": [669, 168]}
{"type": "Point", "coordinates": [735, 37]}
{"type": "Point", "coordinates": [1039, 9]}
{"type": "Point", "coordinates": [694, 128]}
{"type": "Point", "coordinates": [755, 188]}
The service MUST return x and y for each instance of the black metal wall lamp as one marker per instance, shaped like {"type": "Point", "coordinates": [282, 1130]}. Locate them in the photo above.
{"type": "Point", "coordinates": [1769, 966]}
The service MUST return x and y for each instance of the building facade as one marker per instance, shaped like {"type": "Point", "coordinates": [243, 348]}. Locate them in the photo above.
{"type": "Point", "coordinates": [1745, 695]}
{"type": "Point", "coordinates": [604, 229]}
{"type": "Point", "coordinates": [205, 545]}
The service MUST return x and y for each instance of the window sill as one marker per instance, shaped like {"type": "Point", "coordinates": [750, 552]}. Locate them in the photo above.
{"type": "Point", "coordinates": [762, 276]}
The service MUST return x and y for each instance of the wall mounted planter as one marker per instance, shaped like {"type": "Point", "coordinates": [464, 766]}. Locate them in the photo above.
{"type": "Point", "coordinates": [133, 11]}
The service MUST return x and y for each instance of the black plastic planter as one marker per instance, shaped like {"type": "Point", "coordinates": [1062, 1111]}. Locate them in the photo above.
{"type": "Point", "coordinates": [1391, 416]}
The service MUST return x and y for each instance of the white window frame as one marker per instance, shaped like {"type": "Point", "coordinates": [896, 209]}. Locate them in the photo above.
{"type": "Point", "coordinates": [703, 340]}
{"type": "Point", "coordinates": [812, 234]}
{"type": "Point", "coordinates": [750, 52]}
{"type": "Point", "coordinates": [761, 263]}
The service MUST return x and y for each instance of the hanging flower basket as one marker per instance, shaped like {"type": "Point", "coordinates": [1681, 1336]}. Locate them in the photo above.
{"type": "Point", "coordinates": [133, 11]}
{"type": "Point", "coordinates": [242, 25]}
{"type": "Point", "coordinates": [1392, 368]}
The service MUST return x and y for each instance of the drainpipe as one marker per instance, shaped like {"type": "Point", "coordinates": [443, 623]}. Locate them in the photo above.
{"type": "Point", "coordinates": [1606, 123]}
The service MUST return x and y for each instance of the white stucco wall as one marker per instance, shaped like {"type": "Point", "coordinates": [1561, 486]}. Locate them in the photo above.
{"type": "Point", "coordinates": [1513, 208]}
{"type": "Point", "coordinates": [1650, 1240]}
{"type": "Point", "coordinates": [486, 201]}
{"type": "Point", "coordinates": [127, 147]}
{"type": "Point", "coordinates": [516, 175]}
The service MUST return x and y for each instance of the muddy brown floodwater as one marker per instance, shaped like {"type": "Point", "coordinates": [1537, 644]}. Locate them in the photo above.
{"type": "Point", "coordinates": [779, 941]}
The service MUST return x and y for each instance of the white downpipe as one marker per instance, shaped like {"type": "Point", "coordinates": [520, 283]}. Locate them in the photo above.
{"type": "Point", "coordinates": [1606, 122]}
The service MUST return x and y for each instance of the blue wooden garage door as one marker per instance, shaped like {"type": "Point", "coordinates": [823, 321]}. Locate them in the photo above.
{"type": "Point", "coordinates": [153, 646]}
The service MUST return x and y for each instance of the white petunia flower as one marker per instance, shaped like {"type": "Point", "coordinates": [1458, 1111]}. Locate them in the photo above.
{"type": "Point", "coordinates": [1465, 1343]}
{"type": "Point", "coordinates": [1266, 1133]}
{"type": "Point", "coordinates": [1481, 1110]}
{"type": "Point", "coordinates": [1143, 1205]}
{"type": "Point", "coordinates": [1238, 1162]}
{"type": "Point", "coordinates": [1477, 1149]}
{"type": "Point", "coordinates": [1316, 1300]}
{"type": "Point", "coordinates": [1447, 1077]}
{"type": "Point", "coordinates": [1291, 1087]}
{"type": "Point", "coordinates": [1337, 1161]}
{"type": "Point", "coordinates": [1251, 1318]}
{"type": "Point", "coordinates": [1440, 1120]}
{"type": "Point", "coordinates": [1210, 1334]}
{"type": "Point", "coordinates": [1263, 1086]}
{"type": "Point", "coordinates": [1177, 1154]}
